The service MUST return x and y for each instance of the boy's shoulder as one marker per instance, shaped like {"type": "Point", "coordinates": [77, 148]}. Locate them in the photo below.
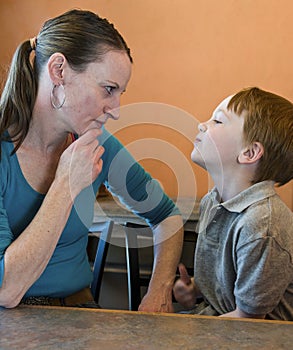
{"type": "Point", "coordinates": [268, 220]}
{"type": "Point", "coordinates": [270, 211]}
{"type": "Point", "coordinates": [257, 195]}
{"type": "Point", "coordinates": [258, 211]}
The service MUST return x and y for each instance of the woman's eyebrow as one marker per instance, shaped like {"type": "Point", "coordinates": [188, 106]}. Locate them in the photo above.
{"type": "Point", "coordinates": [113, 83]}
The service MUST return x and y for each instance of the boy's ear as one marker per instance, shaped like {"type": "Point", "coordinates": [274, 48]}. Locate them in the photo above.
{"type": "Point", "coordinates": [56, 68]}
{"type": "Point", "coordinates": [251, 153]}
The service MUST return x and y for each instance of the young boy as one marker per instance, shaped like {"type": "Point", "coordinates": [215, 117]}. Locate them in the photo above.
{"type": "Point", "coordinates": [244, 254]}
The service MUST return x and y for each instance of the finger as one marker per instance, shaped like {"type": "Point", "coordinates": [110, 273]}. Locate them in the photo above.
{"type": "Point", "coordinates": [184, 274]}
{"type": "Point", "coordinates": [98, 163]}
{"type": "Point", "coordinates": [99, 151]}
{"type": "Point", "coordinates": [99, 166]}
{"type": "Point", "coordinates": [90, 135]}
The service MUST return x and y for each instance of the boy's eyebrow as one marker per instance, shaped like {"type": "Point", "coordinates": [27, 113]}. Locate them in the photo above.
{"type": "Point", "coordinates": [221, 111]}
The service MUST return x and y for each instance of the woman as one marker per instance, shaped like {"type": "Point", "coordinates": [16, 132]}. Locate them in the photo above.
{"type": "Point", "coordinates": [55, 153]}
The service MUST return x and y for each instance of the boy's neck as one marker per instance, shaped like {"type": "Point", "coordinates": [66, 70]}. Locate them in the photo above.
{"type": "Point", "coordinates": [231, 187]}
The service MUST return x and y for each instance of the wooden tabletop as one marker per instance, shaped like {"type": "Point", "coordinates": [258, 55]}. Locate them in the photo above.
{"type": "Point", "coordinates": [34, 327]}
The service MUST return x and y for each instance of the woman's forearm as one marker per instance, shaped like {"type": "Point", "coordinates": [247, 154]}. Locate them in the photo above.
{"type": "Point", "coordinates": [27, 257]}
{"type": "Point", "coordinates": [167, 252]}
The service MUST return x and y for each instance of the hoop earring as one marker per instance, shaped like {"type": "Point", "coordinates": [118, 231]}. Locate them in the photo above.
{"type": "Point", "coordinates": [54, 99]}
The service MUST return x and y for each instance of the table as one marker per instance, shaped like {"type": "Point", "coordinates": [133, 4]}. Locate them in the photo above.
{"type": "Point", "coordinates": [109, 207]}
{"type": "Point", "coordinates": [35, 327]}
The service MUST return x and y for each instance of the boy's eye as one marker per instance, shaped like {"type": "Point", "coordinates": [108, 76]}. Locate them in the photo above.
{"type": "Point", "coordinates": [217, 121]}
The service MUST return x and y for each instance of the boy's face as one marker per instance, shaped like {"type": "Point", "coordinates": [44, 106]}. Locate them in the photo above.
{"type": "Point", "coordinates": [219, 141]}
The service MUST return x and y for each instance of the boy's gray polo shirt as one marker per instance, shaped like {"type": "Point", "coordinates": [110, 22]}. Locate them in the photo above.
{"type": "Point", "coordinates": [244, 253]}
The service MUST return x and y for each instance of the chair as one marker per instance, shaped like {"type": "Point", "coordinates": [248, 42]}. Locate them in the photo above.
{"type": "Point", "coordinates": [137, 277]}
{"type": "Point", "coordinates": [138, 273]}
{"type": "Point", "coordinates": [97, 248]}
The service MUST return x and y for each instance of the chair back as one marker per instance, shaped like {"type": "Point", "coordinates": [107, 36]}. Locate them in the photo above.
{"type": "Point", "coordinates": [137, 275]}
{"type": "Point", "coordinates": [98, 244]}
{"type": "Point", "coordinates": [138, 272]}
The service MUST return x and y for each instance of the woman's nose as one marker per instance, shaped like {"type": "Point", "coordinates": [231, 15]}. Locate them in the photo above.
{"type": "Point", "coordinates": [114, 113]}
{"type": "Point", "coordinates": [113, 110]}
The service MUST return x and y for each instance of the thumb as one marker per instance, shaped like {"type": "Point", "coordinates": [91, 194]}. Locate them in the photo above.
{"type": "Point", "coordinates": [184, 274]}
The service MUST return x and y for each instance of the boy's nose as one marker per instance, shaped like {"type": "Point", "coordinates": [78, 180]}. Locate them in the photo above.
{"type": "Point", "coordinates": [202, 127]}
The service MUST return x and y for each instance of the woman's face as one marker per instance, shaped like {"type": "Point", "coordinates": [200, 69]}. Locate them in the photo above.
{"type": "Point", "coordinates": [93, 96]}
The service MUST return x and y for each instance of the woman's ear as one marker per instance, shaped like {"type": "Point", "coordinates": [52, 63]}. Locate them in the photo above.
{"type": "Point", "coordinates": [56, 68]}
{"type": "Point", "coordinates": [251, 154]}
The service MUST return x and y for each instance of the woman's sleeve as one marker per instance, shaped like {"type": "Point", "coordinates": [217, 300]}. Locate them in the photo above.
{"type": "Point", "coordinates": [135, 188]}
{"type": "Point", "coordinates": [6, 237]}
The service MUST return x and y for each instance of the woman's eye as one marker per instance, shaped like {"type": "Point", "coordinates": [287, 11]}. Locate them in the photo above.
{"type": "Point", "coordinates": [109, 89]}
{"type": "Point", "coordinates": [217, 121]}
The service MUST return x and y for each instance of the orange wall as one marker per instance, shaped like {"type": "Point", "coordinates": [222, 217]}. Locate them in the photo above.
{"type": "Point", "coordinates": [188, 56]}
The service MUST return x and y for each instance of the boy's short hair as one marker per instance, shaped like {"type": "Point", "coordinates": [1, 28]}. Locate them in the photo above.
{"type": "Point", "coordinates": [268, 119]}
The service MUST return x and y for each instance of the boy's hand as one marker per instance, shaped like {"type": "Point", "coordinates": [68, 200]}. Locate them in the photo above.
{"type": "Point", "coordinates": [184, 290]}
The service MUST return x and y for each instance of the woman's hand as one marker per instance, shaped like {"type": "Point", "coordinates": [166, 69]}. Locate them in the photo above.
{"type": "Point", "coordinates": [184, 290]}
{"type": "Point", "coordinates": [81, 162]}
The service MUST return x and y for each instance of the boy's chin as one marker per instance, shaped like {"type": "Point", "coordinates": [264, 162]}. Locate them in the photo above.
{"type": "Point", "coordinates": [196, 158]}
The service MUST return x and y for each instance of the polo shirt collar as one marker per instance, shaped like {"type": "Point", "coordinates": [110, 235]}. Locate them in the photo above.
{"type": "Point", "coordinates": [246, 198]}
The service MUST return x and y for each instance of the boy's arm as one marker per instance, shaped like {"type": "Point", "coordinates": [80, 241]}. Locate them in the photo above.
{"type": "Point", "coordinates": [239, 313]}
